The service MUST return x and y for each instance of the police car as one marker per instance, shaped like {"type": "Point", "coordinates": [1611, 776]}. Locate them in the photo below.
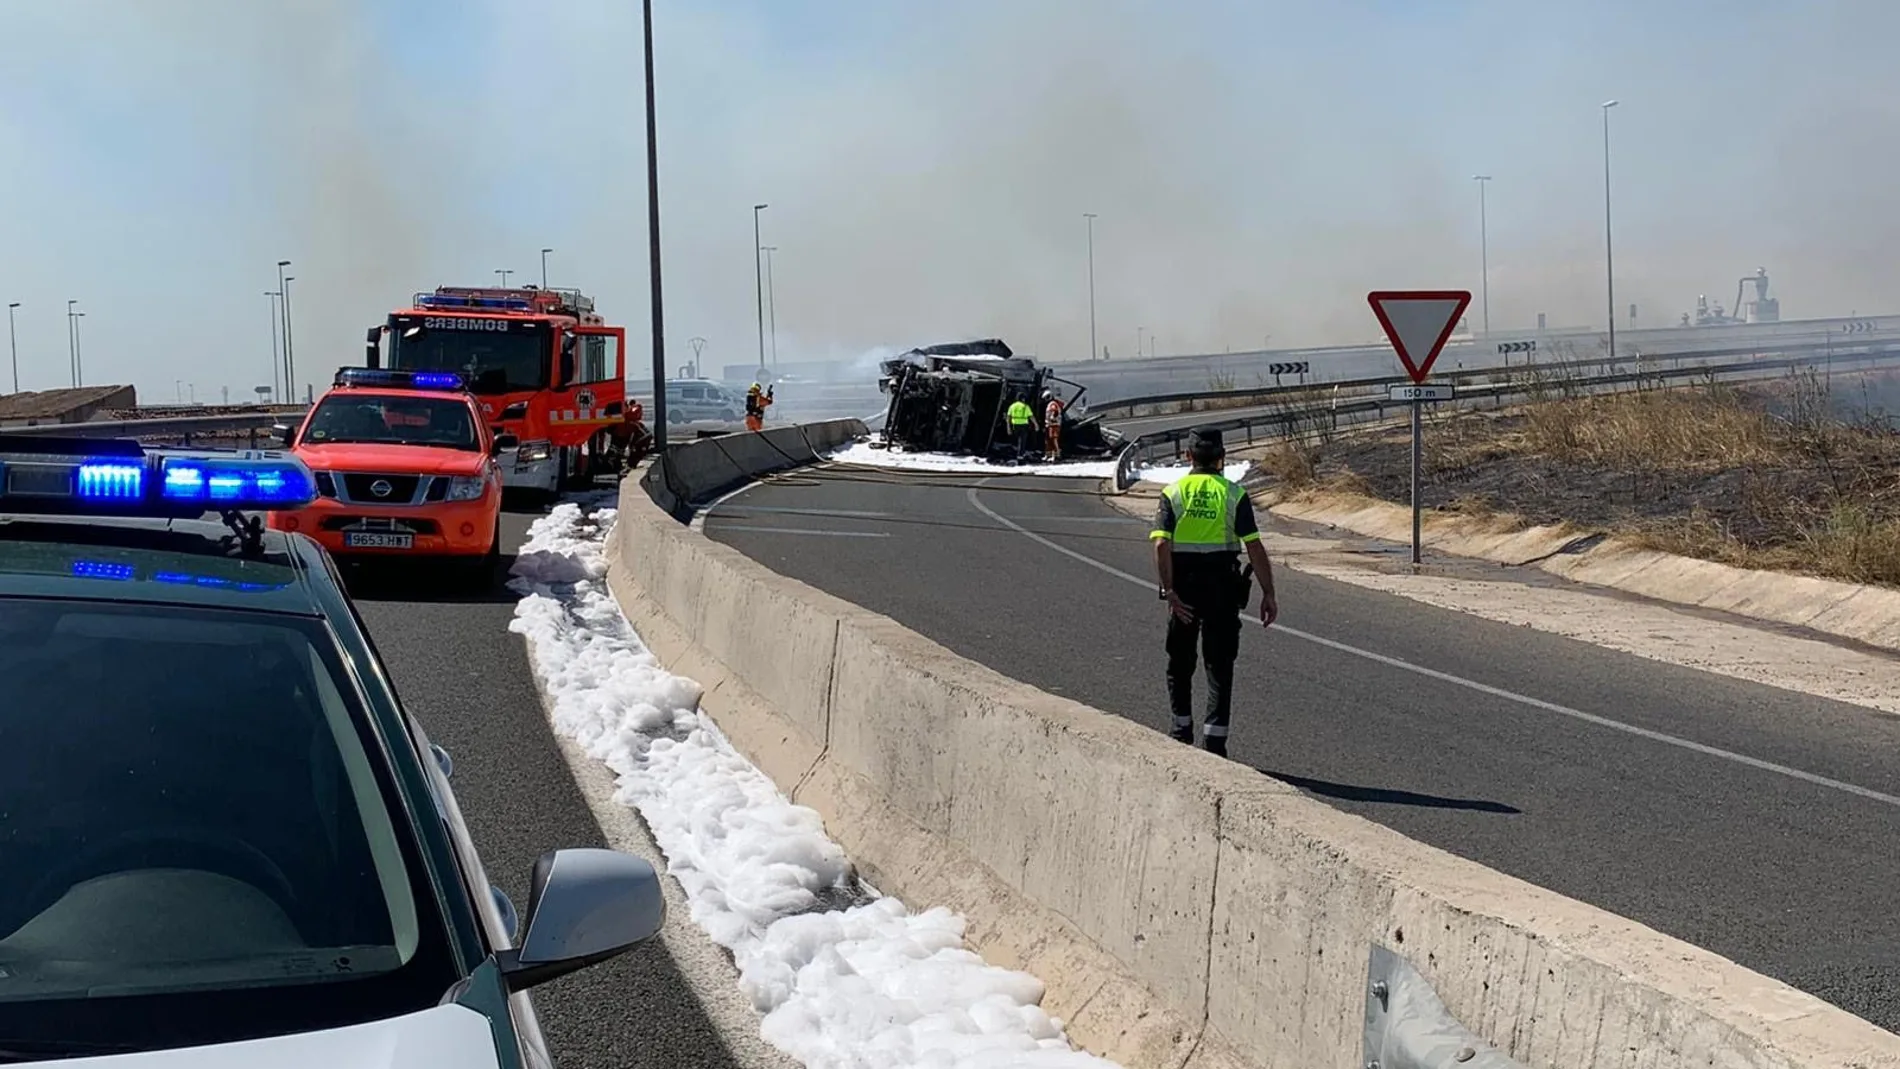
{"type": "Point", "coordinates": [223, 842]}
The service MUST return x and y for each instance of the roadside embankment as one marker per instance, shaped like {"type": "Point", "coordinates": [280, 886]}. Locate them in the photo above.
{"type": "Point", "coordinates": [1183, 911]}
{"type": "Point", "coordinates": [1775, 501]}
{"type": "Point", "coordinates": [1860, 613]}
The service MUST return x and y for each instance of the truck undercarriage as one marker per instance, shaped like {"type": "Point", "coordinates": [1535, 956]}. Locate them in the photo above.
{"type": "Point", "coordinates": [953, 398]}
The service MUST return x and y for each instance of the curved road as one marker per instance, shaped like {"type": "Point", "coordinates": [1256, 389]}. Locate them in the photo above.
{"type": "Point", "coordinates": [466, 677]}
{"type": "Point", "coordinates": [1753, 821]}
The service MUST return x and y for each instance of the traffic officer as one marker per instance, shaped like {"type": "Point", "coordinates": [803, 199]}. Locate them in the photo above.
{"type": "Point", "coordinates": [1022, 423]}
{"type": "Point", "coordinates": [1203, 523]}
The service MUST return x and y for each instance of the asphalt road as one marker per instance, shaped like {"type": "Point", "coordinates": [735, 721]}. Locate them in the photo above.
{"type": "Point", "coordinates": [1467, 734]}
{"type": "Point", "coordinates": [466, 677]}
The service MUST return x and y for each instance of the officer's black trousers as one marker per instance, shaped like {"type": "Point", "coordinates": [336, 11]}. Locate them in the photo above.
{"type": "Point", "coordinates": [1210, 584]}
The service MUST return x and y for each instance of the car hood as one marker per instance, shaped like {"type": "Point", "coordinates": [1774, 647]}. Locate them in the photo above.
{"type": "Point", "coordinates": [405, 459]}
{"type": "Point", "coordinates": [445, 1036]}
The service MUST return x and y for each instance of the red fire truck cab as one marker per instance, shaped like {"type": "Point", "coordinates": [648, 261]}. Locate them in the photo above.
{"type": "Point", "coordinates": [543, 365]}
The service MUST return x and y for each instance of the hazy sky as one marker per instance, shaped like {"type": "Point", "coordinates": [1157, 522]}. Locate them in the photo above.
{"type": "Point", "coordinates": [1257, 166]}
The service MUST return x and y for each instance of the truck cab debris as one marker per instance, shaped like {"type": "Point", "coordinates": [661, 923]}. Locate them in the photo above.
{"type": "Point", "coordinates": [954, 399]}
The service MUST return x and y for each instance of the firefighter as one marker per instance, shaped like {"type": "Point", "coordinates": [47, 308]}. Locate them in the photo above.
{"type": "Point", "coordinates": [1022, 427]}
{"type": "Point", "coordinates": [1202, 524]}
{"type": "Point", "coordinates": [756, 400]}
{"type": "Point", "coordinates": [1052, 426]}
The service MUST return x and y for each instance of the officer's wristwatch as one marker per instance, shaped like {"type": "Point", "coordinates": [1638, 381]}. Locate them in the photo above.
{"type": "Point", "coordinates": [1161, 593]}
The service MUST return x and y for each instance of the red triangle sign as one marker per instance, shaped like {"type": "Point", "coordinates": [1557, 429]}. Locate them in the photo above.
{"type": "Point", "coordinates": [1418, 322]}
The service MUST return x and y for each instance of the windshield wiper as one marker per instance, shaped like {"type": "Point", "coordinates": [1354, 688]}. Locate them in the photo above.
{"type": "Point", "coordinates": [33, 1050]}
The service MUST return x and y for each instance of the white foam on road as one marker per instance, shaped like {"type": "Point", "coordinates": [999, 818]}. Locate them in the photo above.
{"type": "Point", "coordinates": [863, 453]}
{"type": "Point", "coordinates": [873, 984]}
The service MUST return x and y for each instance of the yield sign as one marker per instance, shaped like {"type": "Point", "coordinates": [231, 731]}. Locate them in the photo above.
{"type": "Point", "coordinates": [1418, 322]}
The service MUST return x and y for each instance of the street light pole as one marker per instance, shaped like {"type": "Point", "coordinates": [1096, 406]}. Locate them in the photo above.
{"type": "Point", "coordinates": [653, 245]}
{"type": "Point", "coordinates": [290, 356]}
{"type": "Point", "coordinates": [1094, 353]}
{"type": "Point", "coordinates": [79, 352]}
{"type": "Point", "coordinates": [758, 284]}
{"type": "Point", "coordinates": [276, 354]}
{"type": "Point", "coordinates": [283, 309]}
{"type": "Point", "coordinates": [1609, 261]}
{"type": "Point", "coordinates": [72, 345]}
{"type": "Point", "coordinates": [771, 300]}
{"type": "Point", "coordinates": [1484, 249]}
{"type": "Point", "coordinates": [544, 267]}
{"type": "Point", "coordinates": [504, 272]}
{"type": "Point", "coordinates": [13, 342]}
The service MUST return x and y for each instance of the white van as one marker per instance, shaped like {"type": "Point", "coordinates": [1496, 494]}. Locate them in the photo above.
{"type": "Point", "coordinates": [703, 401]}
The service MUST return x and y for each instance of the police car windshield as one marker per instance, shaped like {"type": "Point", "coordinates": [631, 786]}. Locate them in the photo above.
{"type": "Point", "coordinates": [390, 420]}
{"type": "Point", "coordinates": [493, 355]}
{"type": "Point", "coordinates": [201, 841]}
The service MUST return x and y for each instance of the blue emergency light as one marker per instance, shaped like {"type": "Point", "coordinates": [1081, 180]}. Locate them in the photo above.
{"type": "Point", "coordinates": [400, 380]}
{"type": "Point", "coordinates": [455, 300]}
{"type": "Point", "coordinates": [49, 475]}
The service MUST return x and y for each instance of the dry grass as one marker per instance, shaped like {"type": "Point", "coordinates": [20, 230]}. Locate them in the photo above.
{"type": "Point", "coordinates": [1692, 428]}
{"type": "Point", "coordinates": [1758, 477]}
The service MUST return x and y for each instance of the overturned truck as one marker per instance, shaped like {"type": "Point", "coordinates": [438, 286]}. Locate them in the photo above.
{"type": "Point", "coordinates": [953, 398]}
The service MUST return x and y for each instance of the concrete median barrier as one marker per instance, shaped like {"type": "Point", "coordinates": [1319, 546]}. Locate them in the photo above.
{"type": "Point", "coordinates": [692, 473]}
{"type": "Point", "coordinates": [1182, 910]}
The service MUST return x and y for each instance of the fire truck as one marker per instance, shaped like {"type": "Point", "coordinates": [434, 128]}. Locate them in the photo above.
{"type": "Point", "coordinates": [543, 365]}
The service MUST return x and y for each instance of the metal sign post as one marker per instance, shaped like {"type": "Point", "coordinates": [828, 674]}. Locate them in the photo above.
{"type": "Point", "coordinates": [1418, 323]}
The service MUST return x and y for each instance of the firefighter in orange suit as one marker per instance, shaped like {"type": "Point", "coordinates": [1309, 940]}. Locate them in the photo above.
{"type": "Point", "coordinates": [756, 400]}
{"type": "Point", "coordinates": [1052, 426]}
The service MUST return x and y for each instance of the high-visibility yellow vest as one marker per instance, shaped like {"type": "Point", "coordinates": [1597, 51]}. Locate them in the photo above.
{"type": "Point", "coordinates": [1205, 510]}
{"type": "Point", "coordinates": [1020, 414]}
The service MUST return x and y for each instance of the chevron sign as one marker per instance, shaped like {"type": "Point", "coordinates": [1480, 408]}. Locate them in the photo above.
{"type": "Point", "coordinates": [1517, 347]}
{"type": "Point", "coordinates": [1287, 369]}
{"type": "Point", "coordinates": [1858, 326]}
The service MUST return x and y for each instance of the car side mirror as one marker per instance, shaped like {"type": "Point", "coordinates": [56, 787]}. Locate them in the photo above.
{"type": "Point", "coordinates": [284, 433]}
{"type": "Point", "coordinates": [372, 346]}
{"type": "Point", "coordinates": [505, 442]}
{"type": "Point", "coordinates": [584, 906]}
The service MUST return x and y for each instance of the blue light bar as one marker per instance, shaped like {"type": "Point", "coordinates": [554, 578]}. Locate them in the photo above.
{"type": "Point", "coordinates": [48, 475]}
{"type": "Point", "coordinates": [102, 480]}
{"type": "Point", "coordinates": [444, 300]}
{"type": "Point", "coordinates": [400, 380]}
{"type": "Point", "coordinates": [237, 482]}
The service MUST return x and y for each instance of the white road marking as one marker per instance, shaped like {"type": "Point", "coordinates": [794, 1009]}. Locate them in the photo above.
{"type": "Point", "coordinates": [793, 511]}
{"type": "Point", "coordinates": [804, 531]}
{"type": "Point", "coordinates": [1474, 685]}
{"type": "Point", "coordinates": [699, 518]}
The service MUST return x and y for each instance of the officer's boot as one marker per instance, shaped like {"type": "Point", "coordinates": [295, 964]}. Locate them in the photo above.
{"type": "Point", "coordinates": [1215, 744]}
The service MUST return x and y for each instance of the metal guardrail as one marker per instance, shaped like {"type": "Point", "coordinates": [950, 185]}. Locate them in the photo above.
{"type": "Point", "coordinates": [1142, 449]}
{"type": "Point", "coordinates": [166, 427]}
{"type": "Point", "coordinates": [1825, 345]}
